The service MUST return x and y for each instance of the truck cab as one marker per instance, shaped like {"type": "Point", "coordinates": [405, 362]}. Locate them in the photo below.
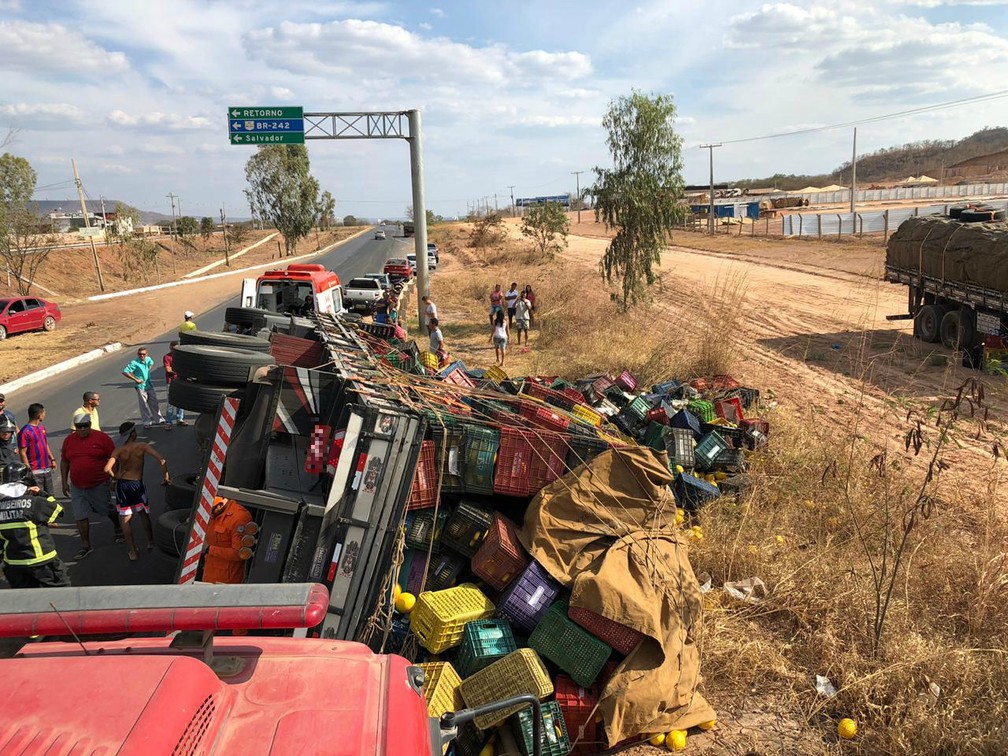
{"type": "Point", "coordinates": [297, 289]}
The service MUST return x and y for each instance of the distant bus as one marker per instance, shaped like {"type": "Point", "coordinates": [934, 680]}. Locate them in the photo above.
{"type": "Point", "coordinates": [407, 229]}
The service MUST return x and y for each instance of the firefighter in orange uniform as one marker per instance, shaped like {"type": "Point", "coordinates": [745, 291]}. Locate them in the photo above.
{"type": "Point", "coordinates": [225, 557]}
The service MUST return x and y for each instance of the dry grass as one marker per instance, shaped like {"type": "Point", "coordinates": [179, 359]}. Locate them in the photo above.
{"type": "Point", "coordinates": [798, 530]}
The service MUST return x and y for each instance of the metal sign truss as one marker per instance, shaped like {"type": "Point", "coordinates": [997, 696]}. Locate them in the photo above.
{"type": "Point", "coordinates": [357, 125]}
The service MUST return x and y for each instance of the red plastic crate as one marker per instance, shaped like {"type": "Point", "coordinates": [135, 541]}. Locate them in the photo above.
{"type": "Point", "coordinates": [527, 460]}
{"type": "Point", "coordinates": [543, 417]}
{"type": "Point", "coordinates": [724, 382]}
{"type": "Point", "coordinates": [657, 415]}
{"type": "Point", "coordinates": [599, 385]}
{"type": "Point", "coordinates": [459, 377]}
{"type": "Point", "coordinates": [626, 380]}
{"type": "Point", "coordinates": [423, 492]}
{"type": "Point", "coordinates": [501, 557]}
{"type": "Point", "coordinates": [700, 384]}
{"type": "Point", "coordinates": [730, 410]}
{"type": "Point", "coordinates": [577, 705]}
{"type": "Point", "coordinates": [574, 395]}
{"type": "Point", "coordinates": [622, 638]}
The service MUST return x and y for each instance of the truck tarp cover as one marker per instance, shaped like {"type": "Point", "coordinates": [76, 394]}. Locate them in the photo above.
{"type": "Point", "coordinates": [970, 253]}
{"type": "Point", "coordinates": [607, 531]}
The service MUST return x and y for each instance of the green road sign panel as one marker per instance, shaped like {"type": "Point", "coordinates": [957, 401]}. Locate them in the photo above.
{"type": "Point", "coordinates": [288, 137]}
{"type": "Point", "coordinates": [265, 111]}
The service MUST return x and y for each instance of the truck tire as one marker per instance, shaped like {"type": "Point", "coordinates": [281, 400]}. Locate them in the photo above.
{"type": "Point", "coordinates": [950, 330]}
{"type": "Point", "coordinates": [982, 215]}
{"type": "Point", "coordinates": [218, 365]}
{"type": "Point", "coordinates": [227, 340]}
{"type": "Point", "coordinates": [927, 324]}
{"type": "Point", "coordinates": [956, 210]}
{"type": "Point", "coordinates": [199, 397]}
{"type": "Point", "coordinates": [245, 317]}
{"type": "Point", "coordinates": [204, 427]}
{"type": "Point", "coordinates": [181, 492]}
{"type": "Point", "coordinates": [968, 336]}
{"type": "Point", "coordinates": [171, 531]}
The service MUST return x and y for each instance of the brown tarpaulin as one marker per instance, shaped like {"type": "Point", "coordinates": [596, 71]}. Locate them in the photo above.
{"type": "Point", "coordinates": [607, 532]}
{"type": "Point", "coordinates": [970, 253]}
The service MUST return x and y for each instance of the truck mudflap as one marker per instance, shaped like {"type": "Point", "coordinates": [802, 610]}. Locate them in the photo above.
{"type": "Point", "coordinates": [364, 512]}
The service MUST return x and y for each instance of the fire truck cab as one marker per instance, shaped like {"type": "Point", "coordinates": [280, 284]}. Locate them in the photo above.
{"type": "Point", "coordinates": [297, 289]}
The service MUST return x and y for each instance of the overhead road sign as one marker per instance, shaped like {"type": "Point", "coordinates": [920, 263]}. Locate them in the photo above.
{"type": "Point", "coordinates": [560, 199]}
{"type": "Point", "coordinates": [266, 125]}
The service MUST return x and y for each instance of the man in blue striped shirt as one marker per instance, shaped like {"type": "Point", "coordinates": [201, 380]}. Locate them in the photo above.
{"type": "Point", "coordinates": [33, 446]}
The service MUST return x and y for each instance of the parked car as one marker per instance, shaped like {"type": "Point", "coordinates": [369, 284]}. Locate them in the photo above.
{"type": "Point", "coordinates": [379, 234]}
{"type": "Point", "coordinates": [432, 247]}
{"type": "Point", "coordinates": [411, 259]}
{"type": "Point", "coordinates": [398, 268]}
{"type": "Point", "coordinates": [362, 293]}
{"type": "Point", "coordinates": [431, 260]}
{"type": "Point", "coordinates": [19, 314]}
{"type": "Point", "coordinates": [381, 278]}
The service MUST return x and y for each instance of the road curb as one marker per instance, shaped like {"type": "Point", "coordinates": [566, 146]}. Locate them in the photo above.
{"type": "Point", "coordinates": [59, 367]}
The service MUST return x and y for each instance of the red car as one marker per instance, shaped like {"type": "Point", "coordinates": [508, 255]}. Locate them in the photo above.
{"type": "Point", "coordinates": [19, 314]}
{"type": "Point", "coordinates": [398, 268]}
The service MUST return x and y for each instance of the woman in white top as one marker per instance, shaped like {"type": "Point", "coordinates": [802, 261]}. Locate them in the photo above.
{"type": "Point", "coordinates": [499, 337]}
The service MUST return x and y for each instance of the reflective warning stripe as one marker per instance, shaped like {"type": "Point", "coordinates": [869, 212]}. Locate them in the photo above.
{"type": "Point", "coordinates": [36, 546]}
{"type": "Point", "coordinates": [201, 513]}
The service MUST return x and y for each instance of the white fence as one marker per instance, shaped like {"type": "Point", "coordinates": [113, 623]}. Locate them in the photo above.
{"type": "Point", "coordinates": [973, 191]}
{"type": "Point", "coordinates": [873, 221]}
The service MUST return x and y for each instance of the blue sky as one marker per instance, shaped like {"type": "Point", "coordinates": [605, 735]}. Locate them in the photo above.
{"type": "Point", "coordinates": [510, 93]}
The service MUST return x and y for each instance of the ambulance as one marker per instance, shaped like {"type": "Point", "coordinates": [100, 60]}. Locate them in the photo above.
{"type": "Point", "coordinates": [298, 289]}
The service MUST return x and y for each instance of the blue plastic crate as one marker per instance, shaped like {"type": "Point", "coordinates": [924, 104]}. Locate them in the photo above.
{"type": "Point", "coordinates": [691, 493]}
{"type": "Point", "coordinates": [686, 419]}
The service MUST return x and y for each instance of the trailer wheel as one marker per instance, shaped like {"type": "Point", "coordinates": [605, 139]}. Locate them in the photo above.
{"type": "Point", "coordinates": [214, 364]}
{"type": "Point", "coordinates": [245, 317]}
{"type": "Point", "coordinates": [181, 492]}
{"type": "Point", "coordinates": [927, 324]}
{"type": "Point", "coordinates": [199, 397]}
{"type": "Point", "coordinates": [229, 340]}
{"type": "Point", "coordinates": [171, 531]}
{"type": "Point", "coordinates": [967, 329]}
{"type": "Point", "coordinates": [950, 330]}
{"type": "Point", "coordinates": [204, 427]}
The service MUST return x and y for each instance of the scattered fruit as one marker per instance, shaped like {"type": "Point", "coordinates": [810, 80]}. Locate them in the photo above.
{"type": "Point", "coordinates": [847, 728]}
{"type": "Point", "coordinates": [657, 739]}
{"type": "Point", "coordinates": [405, 602]}
{"type": "Point", "coordinates": [396, 590]}
{"type": "Point", "coordinates": [779, 539]}
{"type": "Point", "coordinates": [676, 740]}
{"type": "Point", "coordinates": [696, 533]}
{"type": "Point", "coordinates": [809, 504]}
{"type": "Point", "coordinates": [720, 475]}
{"type": "Point", "coordinates": [680, 469]}
{"type": "Point", "coordinates": [707, 725]}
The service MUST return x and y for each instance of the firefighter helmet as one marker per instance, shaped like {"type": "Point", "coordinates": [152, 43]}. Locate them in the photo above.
{"type": "Point", "coordinates": [16, 472]}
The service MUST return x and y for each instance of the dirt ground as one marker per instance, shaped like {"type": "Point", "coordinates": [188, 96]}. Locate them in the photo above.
{"type": "Point", "coordinates": [87, 325]}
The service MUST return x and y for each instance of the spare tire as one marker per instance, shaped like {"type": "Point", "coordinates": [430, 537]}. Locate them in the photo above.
{"type": "Point", "coordinates": [214, 364]}
{"type": "Point", "coordinates": [245, 317]}
{"type": "Point", "coordinates": [172, 531]}
{"type": "Point", "coordinates": [228, 340]}
{"type": "Point", "coordinates": [956, 210]}
{"type": "Point", "coordinates": [181, 492]}
{"type": "Point", "coordinates": [199, 397]}
{"type": "Point", "coordinates": [982, 215]}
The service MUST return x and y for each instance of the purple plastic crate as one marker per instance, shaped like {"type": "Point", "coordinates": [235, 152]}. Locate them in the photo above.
{"type": "Point", "coordinates": [527, 598]}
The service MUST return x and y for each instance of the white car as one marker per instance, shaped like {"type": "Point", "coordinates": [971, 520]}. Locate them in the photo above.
{"type": "Point", "coordinates": [431, 261]}
{"type": "Point", "coordinates": [379, 234]}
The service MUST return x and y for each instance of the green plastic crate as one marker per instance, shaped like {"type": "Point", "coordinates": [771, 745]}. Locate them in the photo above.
{"type": "Point", "coordinates": [654, 436]}
{"type": "Point", "coordinates": [572, 648]}
{"type": "Point", "coordinates": [483, 643]}
{"type": "Point", "coordinates": [640, 406]}
{"type": "Point", "coordinates": [448, 456]}
{"type": "Point", "coordinates": [480, 451]}
{"type": "Point", "coordinates": [553, 737]}
{"type": "Point", "coordinates": [702, 409]}
{"type": "Point", "coordinates": [708, 449]}
{"type": "Point", "coordinates": [422, 529]}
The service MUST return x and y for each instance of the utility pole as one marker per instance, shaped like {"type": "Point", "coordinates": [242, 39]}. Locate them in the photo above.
{"type": "Point", "coordinates": [496, 208]}
{"type": "Point", "coordinates": [87, 224]}
{"type": "Point", "coordinates": [577, 175]}
{"type": "Point", "coordinates": [101, 199]}
{"type": "Point", "coordinates": [853, 172]}
{"type": "Point", "coordinates": [227, 247]}
{"type": "Point", "coordinates": [511, 187]}
{"type": "Point", "coordinates": [710, 219]}
{"type": "Point", "coordinates": [174, 226]}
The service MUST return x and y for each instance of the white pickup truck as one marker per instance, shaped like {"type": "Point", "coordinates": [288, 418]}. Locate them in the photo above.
{"type": "Point", "coordinates": [362, 293]}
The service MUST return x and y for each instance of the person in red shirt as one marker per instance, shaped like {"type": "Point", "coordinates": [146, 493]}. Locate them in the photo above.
{"type": "Point", "coordinates": [226, 553]}
{"type": "Point", "coordinates": [82, 470]}
{"type": "Point", "coordinates": [174, 415]}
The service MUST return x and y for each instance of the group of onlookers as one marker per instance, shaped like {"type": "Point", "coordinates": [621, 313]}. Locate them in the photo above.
{"type": "Point", "coordinates": [520, 307]}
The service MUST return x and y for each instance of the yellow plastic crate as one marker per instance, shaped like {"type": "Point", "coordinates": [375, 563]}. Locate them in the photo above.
{"type": "Point", "coordinates": [517, 673]}
{"type": "Point", "coordinates": [587, 414]}
{"type": "Point", "coordinates": [441, 688]}
{"type": "Point", "coordinates": [429, 360]}
{"type": "Point", "coordinates": [439, 616]}
{"type": "Point", "coordinates": [495, 374]}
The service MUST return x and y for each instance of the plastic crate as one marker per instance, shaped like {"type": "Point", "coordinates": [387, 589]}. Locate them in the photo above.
{"type": "Point", "coordinates": [756, 433]}
{"type": "Point", "coordinates": [654, 436]}
{"type": "Point", "coordinates": [601, 384]}
{"type": "Point", "coordinates": [444, 571]}
{"type": "Point", "coordinates": [553, 737]}
{"type": "Point", "coordinates": [479, 445]}
{"type": "Point", "coordinates": [456, 373]}
{"type": "Point", "coordinates": [618, 396]}
{"type": "Point", "coordinates": [626, 380]}
{"type": "Point", "coordinates": [730, 410]}
{"type": "Point", "coordinates": [707, 450]}
{"type": "Point", "coordinates": [666, 387]}
{"type": "Point", "coordinates": [495, 373]}
{"type": "Point", "coordinates": [413, 571]}
{"type": "Point", "coordinates": [583, 449]}
{"type": "Point", "coordinates": [730, 460]}
{"type": "Point", "coordinates": [441, 688]}
{"type": "Point", "coordinates": [429, 360]}
{"type": "Point", "coordinates": [423, 492]}
{"type": "Point", "coordinates": [577, 704]}
{"type": "Point", "coordinates": [469, 741]}
{"type": "Point", "coordinates": [438, 618]}
{"type": "Point", "coordinates": [520, 672]}
{"type": "Point", "coordinates": [586, 414]}
{"type": "Point", "coordinates": [679, 444]}
{"type": "Point", "coordinates": [423, 529]}
{"type": "Point", "coordinates": [568, 645]}
{"type": "Point", "coordinates": [622, 638]}
{"type": "Point", "coordinates": [543, 418]}
{"type": "Point", "coordinates": [691, 492]}
{"type": "Point", "coordinates": [501, 556]}
{"type": "Point", "coordinates": [527, 598]}
{"type": "Point", "coordinates": [657, 415]}
{"type": "Point", "coordinates": [686, 419]}
{"type": "Point", "coordinates": [702, 409]}
{"type": "Point", "coordinates": [466, 528]}
{"type": "Point", "coordinates": [528, 460]}
{"type": "Point", "coordinates": [483, 643]}
{"type": "Point", "coordinates": [448, 458]}
{"type": "Point", "coordinates": [748, 396]}
{"type": "Point", "coordinates": [734, 435]}
{"type": "Point", "coordinates": [737, 486]}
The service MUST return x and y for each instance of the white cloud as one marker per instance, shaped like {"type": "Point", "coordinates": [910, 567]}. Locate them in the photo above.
{"type": "Point", "coordinates": [281, 93]}
{"type": "Point", "coordinates": [54, 49]}
{"type": "Point", "coordinates": [115, 169]}
{"type": "Point", "coordinates": [425, 26]}
{"type": "Point", "coordinates": [437, 12]}
{"type": "Point", "coordinates": [557, 121]}
{"type": "Point", "coordinates": [171, 121]}
{"type": "Point", "coordinates": [160, 147]}
{"type": "Point", "coordinates": [44, 115]}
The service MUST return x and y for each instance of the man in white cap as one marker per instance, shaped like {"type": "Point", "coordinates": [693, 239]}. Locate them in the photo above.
{"type": "Point", "coordinates": [125, 465]}
{"type": "Point", "coordinates": [188, 324]}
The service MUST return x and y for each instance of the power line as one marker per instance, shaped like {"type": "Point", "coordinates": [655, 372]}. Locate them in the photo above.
{"type": "Point", "coordinates": [875, 119]}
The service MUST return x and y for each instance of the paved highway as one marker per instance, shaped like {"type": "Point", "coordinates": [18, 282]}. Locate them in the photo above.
{"type": "Point", "coordinates": [108, 564]}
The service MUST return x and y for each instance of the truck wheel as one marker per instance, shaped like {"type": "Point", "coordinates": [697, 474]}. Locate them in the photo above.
{"type": "Point", "coordinates": [950, 330]}
{"type": "Point", "coordinates": [181, 492]}
{"type": "Point", "coordinates": [199, 397]}
{"type": "Point", "coordinates": [927, 324]}
{"type": "Point", "coordinates": [213, 364]}
{"type": "Point", "coordinates": [204, 427]}
{"type": "Point", "coordinates": [245, 317]}
{"type": "Point", "coordinates": [171, 531]}
{"type": "Point", "coordinates": [228, 340]}
{"type": "Point", "coordinates": [967, 329]}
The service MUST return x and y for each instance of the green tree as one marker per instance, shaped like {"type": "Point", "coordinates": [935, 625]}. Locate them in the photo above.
{"type": "Point", "coordinates": [638, 196]}
{"type": "Point", "coordinates": [547, 225]}
{"type": "Point", "coordinates": [188, 226]}
{"type": "Point", "coordinates": [326, 210]}
{"type": "Point", "coordinates": [24, 243]}
{"type": "Point", "coordinates": [282, 191]}
{"type": "Point", "coordinates": [206, 227]}
{"type": "Point", "coordinates": [350, 220]}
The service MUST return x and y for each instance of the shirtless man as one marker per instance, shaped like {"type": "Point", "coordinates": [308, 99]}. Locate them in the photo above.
{"type": "Point", "coordinates": [126, 468]}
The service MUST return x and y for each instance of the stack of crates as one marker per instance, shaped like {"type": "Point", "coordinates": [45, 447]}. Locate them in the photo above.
{"type": "Point", "coordinates": [528, 461]}
{"type": "Point", "coordinates": [439, 617]}
{"type": "Point", "coordinates": [572, 648]}
{"type": "Point", "coordinates": [483, 643]}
